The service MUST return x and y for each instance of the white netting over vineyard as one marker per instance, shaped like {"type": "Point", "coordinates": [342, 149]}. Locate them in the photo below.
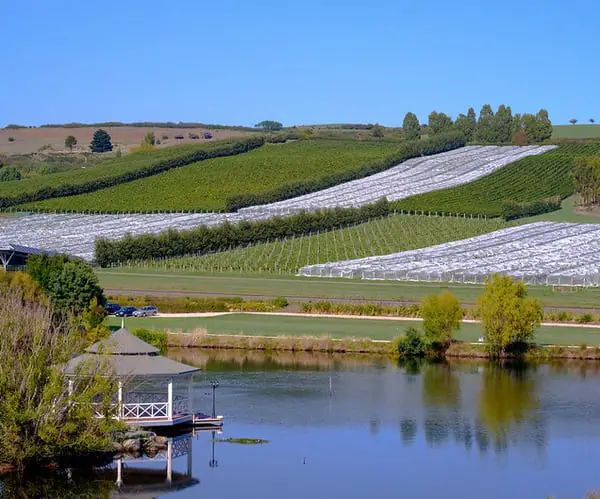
{"type": "Point", "coordinates": [75, 233]}
{"type": "Point", "coordinates": [549, 253]}
{"type": "Point", "coordinates": [415, 176]}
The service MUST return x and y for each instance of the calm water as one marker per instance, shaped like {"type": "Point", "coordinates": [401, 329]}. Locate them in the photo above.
{"type": "Point", "coordinates": [357, 428]}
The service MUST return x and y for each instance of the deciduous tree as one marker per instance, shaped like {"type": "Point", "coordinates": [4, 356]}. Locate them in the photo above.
{"type": "Point", "coordinates": [501, 125]}
{"type": "Point", "coordinates": [573, 121]}
{"type": "Point", "coordinates": [269, 125]}
{"type": "Point", "coordinates": [466, 124]}
{"type": "Point", "coordinates": [377, 131]}
{"type": "Point", "coordinates": [70, 142]}
{"type": "Point", "coordinates": [441, 318]}
{"type": "Point", "coordinates": [508, 315]}
{"type": "Point", "coordinates": [439, 123]}
{"type": "Point", "coordinates": [483, 130]}
{"type": "Point", "coordinates": [411, 127]}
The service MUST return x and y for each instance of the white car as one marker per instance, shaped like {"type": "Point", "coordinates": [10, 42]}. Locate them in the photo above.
{"type": "Point", "coordinates": [147, 311]}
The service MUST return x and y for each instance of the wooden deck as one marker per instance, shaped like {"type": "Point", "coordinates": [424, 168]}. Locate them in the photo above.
{"type": "Point", "coordinates": [199, 419]}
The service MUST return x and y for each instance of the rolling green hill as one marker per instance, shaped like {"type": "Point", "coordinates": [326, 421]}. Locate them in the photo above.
{"type": "Point", "coordinates": [532, 178]}
{"type": "Point", "coordinates": [208, 185]}
{"type": "Point", "coordinates": [118, 171]}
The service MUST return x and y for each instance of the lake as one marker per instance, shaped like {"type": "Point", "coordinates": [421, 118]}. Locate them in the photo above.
{"type": "Point", "coordinates": [363, 427]}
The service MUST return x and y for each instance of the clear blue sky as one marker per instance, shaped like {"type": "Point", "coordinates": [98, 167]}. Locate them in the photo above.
{"type": "Point", "coordinates": [296, 62]}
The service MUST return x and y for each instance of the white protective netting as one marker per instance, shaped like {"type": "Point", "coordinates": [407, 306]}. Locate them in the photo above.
{"type": "Point", "coordinates": [75, 233]}
{"type": "Point", "coordinates": [547, 253]}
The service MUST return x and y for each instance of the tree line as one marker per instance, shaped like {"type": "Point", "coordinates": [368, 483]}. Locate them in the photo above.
{"type": "Point", "coordinates": [500, 127]}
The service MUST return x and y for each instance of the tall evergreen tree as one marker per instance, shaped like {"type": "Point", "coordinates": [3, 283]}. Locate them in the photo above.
{"type": "Point", "coordinates": [439, 123]}
{"type": "Point", "coordinates": [545, 125]}
{"type": "Point", "coordinates": [502, 125]}
{"type": "Point", "coordinates": [466, 124]}
{"type": "Point", "coordinates": [484, 124]}
{"type": "Point", "coordinates": [411, 127]}
{"type": "Point", "coordinates": [101, 141]}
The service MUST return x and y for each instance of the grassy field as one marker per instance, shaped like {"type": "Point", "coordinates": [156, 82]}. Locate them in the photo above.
{"type": "Point", "coordinates": [262, 325]}
{"type": "Point", "coordinates": [113, 171]}
{"type": "Point", "coordinates": [590, 131]}
{"type": "Point", "coordinates": [126, 281]}
{"type": "Point", "coordinates": [378, 237]}
{"type": "Point", "coordinates": [207, 185]}
{"type": "Point", "coordinates": [532, 178]}
{"type": "Point", "coordinates": [30, 140]}
{"type": "Point", "coordinates": [567, 213]}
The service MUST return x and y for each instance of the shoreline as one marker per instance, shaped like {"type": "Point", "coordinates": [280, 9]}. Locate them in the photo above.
{"type": "Point", "coordinates": [367, 346]}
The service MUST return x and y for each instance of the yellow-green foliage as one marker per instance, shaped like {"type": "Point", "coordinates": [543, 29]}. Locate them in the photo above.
{"type": "Point", "coordinates": [441, 317]}
{"type": "Point", "coordinates": [508, 315]}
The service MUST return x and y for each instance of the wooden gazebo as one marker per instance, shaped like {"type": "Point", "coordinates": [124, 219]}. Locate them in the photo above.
{"type": "Point", "coordinates": [153, 390]}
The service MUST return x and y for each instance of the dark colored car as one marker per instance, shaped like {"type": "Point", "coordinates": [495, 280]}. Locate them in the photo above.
{"type": "Point", "coordinates": [207, 135]}
{"type": "Point", "coordinates": [112, 308]}
{"type": "Point", "coordinates": [126, 312]}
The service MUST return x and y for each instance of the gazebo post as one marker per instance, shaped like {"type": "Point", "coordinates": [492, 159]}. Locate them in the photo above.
{"type": "Point", "coordinates": [170, 399]}
{"type": "Point", "coordinates": [190, 395]}
{"type": "Point", "coordinates": [120, 400]}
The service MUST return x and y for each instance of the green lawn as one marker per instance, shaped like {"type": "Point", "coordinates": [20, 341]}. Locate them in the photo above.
{"type": "Point", "coordinates": [576, 131]}
{"type": "Point", "coordinates": [124, 281]}
{"type": "Point", "coordinates": [262, 325]}
{"type": "Point", "coordinates": [565, 214]}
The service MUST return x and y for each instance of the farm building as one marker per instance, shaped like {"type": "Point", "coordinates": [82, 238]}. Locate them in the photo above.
{"type": "Point", "coordinates": [15, 256]}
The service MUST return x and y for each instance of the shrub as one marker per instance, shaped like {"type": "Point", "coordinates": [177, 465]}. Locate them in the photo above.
{"type": "Point", "coordinates": [441, 318]}
{"type": "Point", "coordinates": [585, 318]}
{"type": "Point", "coordinates": [412, 344]}
{"type": "Point", "coordinates": [11, 139]}
{"type": "Point", "coordinates": [9, 173]}
{"type": "Point", "coordinates": [165, 137]}
{"type": "Point", "coordinates": [512, 210]}
{"type": "Point", "coordinates": [280, 302]}
{"type": "Point", "coordinates": [155, 338]}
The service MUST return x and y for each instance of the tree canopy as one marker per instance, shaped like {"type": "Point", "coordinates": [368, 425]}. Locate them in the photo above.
{"type": "Point", "coordinates": [441, 318]}
{"type": "Point", "coordinates": [70, 142]}
{"type": "Point", "coordinates": [507, 314]}
{"type": "Point", "coordinates": [269, 125]}
{"type": "Point", "coordinates": [71, 284]}
{"type": "Point", "coordinates": [466, 124]}
{"type": "Point", "coordinates": [101, 141]}
{"type": "Point", "coordinates": [439, 123]}
{"type": "Point", "coordinates": [411, 127]}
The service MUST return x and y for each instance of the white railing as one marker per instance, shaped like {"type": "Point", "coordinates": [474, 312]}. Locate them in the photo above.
{"type": "Point", "coordinates": [148, 410]}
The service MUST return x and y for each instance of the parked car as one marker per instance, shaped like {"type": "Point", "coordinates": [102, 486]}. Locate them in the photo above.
{"type": "Point", "coordinates": [125, 312]}
{"type": "Point", "coordinates": [112, 308]}
{"type": "Point", "coordinates": [207, 135]}
{"type": "Point", "coordinates": [146, 311]}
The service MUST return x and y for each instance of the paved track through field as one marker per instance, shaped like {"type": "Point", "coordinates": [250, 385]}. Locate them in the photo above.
{"type": "Point", "coordinates": [295, 299]}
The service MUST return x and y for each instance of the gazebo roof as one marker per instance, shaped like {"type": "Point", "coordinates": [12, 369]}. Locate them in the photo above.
{"type": "Point", "coordinates": [122, 342]}
{"type": "Point", "coordinates": [127, 355]}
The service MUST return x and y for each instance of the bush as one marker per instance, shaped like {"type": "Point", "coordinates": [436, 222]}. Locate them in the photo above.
{"type": "Point", "coordinates": [11, 139]}
{"type": "Point", "coordinates": [407, 150]}
{"type": "Point", "coordinates": [164, 137]}
{"type": "Point", "coordinates": [512, 210]}
{"type": "Point", "coordinates": [412, 344]}
{"type": "Point", "coordinates": [155, 338]}
{"type": "Point", "coordinates": [280, 302]}
{"type": "Point", "coordinates": [585, 318]}
{"type": "Point", "coordinates": [9, 173]}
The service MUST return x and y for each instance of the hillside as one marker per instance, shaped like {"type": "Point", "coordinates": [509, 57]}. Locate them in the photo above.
{"type": "Point", "coordinates": [207, 185]}
{"type": "Point", "coordinates": [377, 237]}
{"type": "Point", "coordinates": [119, 170]}
{"type": "Point", "coordinates": [529, 179]}
{"type": "Point", "coordinates": [29, 140]}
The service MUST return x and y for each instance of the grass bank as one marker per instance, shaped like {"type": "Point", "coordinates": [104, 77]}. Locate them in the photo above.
{"type": "Point", "coordinates": [326, 328]}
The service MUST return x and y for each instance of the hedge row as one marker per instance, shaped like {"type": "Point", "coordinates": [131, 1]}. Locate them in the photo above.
{"type": "Point", "coordinates": [407, 150]}
{"type": "Point", "coordinates": [225, 236]}
{"type": "Point", "coordinates": [511, 210]}
{"type": "Point", "coordinates": [149, 168]}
